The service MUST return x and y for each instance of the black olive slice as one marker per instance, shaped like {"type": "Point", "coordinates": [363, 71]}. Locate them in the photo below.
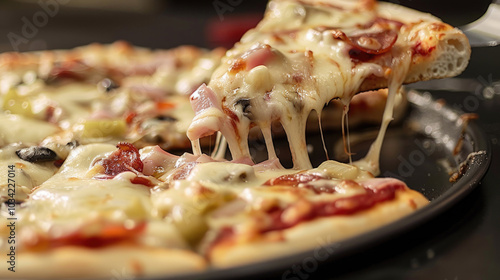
{"type": "Point", "coordinates": [245, 107]}
{"type": "Point", "coordinates": [37, 154]}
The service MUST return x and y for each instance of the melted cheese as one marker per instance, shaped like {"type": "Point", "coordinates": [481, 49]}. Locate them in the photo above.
{"type": "Point", "coordinates": [308, 68]}
{"type": "Point", "coordinates": [400, 68]}
{"type": "Point", "coordinates": [17, 128]}
{"type": "Point", "coordinates": [27, 174]}
{"type": "Point", "coordinates": [145, 78]}
{"type": "Point", "coordinates": [297, 60]}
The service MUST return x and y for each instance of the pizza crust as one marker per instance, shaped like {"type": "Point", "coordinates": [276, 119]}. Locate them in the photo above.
{"type": "Point", "coordinates": [119, 261]}
{"type": "Point", "coordinates": [319, 232]}
{"type": "Point", "coordinates": [443, 51]}
{"type": "Point", "coordinates": [76, 193]}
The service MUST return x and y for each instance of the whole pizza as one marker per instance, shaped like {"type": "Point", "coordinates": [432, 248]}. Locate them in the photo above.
{"type": "Point", "coordinates": [121, 158]}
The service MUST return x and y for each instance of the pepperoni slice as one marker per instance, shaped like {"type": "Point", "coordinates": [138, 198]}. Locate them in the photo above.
{"type": "Point", "coordinates": [73, 70]}
{"type": "Point", "coordinates": [293, 180]}
{"type": "Point", "coordinates": [370, 43]}
{"type": "Point", "coordinates": [108, 235]}
{"type": "Point", "coordinates": [374, 43]}
{"type": "Point", "coordinates": [126, 158]}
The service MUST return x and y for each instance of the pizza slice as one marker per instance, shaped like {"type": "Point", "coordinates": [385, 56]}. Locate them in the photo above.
{"type": "Point", "coordinates": [294, 213]}
{"type": "Point", "coordinates": [235, 213]}
{"type": "Point", "coordinates": [148, 212]}
{"type": "Point", "coordinates": [94, 218]}
{"type": "Point", "coordinates": [303, 54]}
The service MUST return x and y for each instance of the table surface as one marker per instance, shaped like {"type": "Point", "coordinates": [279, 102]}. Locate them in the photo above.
{"type": "Point", "coordinates": [462, 243]}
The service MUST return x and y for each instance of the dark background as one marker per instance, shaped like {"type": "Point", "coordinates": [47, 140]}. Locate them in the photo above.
{"type": "Point", "coordinates": [463, 243]}
{"type": "Point", "coordinates": [164, 24]}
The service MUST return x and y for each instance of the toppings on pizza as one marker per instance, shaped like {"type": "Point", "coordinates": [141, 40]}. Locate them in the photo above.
{"type": "Point", "coordinates": [322, 53]}
{"type": "Point", "coordinates": [294, 179]}
{"type": "Point", "coordinates": [37, 154]}
{"type": "Point", "coordinates": [102, 235]}
{"type": "Point", "coordinates": [126, 158]}
{"type": "Point", "coordinates": [96, 182]}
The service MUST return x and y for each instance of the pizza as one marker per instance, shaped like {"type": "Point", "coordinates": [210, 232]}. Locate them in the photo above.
{"type": "Point", "coordinates": [90, 139]}
{"type": "Point", "coordinates": [55, 100]}
{"type": "Point", "coordinates": [99, 92]}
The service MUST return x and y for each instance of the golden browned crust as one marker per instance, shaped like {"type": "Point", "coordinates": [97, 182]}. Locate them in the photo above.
{"type": "Point", "coordinates": [125, 261]}
{"type": "Point", "coordinates": [316, 233]}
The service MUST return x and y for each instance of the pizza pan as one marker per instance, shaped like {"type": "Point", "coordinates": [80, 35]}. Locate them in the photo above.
{"type": "Point", "coordinates": [420, 150]}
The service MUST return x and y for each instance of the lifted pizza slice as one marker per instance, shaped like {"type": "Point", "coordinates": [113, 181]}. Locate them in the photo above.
{"type": "Point", "coordinates": [305, 53]}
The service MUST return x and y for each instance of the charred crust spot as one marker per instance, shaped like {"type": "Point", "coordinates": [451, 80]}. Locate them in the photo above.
{"type": "Point", "coordinates": [239, 65]}
{"type": "Point", "coordinates": [277, 38]}
{"type": "Point", "coordinates": [412, 204]}
{"type": "Point", "coordinates": [368, 4]}
{"type": "Point", "coordinates": [418, 49]}
{"type": "Point", "coordinates": [438, 26]}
